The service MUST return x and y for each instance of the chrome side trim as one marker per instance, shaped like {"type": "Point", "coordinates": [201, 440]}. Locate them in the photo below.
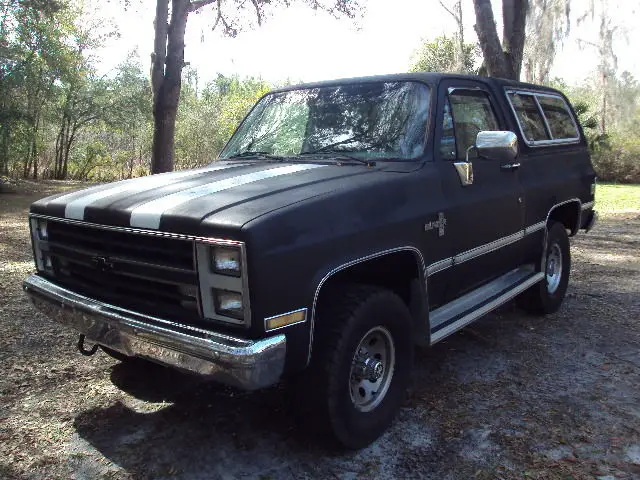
{"type": "Point", "coordinates": [351, 263]}
{"type": "Point", "coordinates": [467, 319]}
{"type": "Point", "coordinates": [535, 227]}
{"type": "Point", "coordinates": [234, 361]}
{"type": "Point", "coordinates": [487, 248]}
{"type": "Point", "coordinates": [282, 315]}
{"type": "Point", "coordinates": [138, 231]}
{"type": "Point", "coordinates": [439, 266]}
{"type": "Point", "coordinates": [467, 255]}
{"type": "Point", "coordinates": [588, 205]}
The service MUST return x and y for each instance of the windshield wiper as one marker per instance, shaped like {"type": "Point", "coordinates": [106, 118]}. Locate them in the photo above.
{"type": "Point", "coordinates": [340, 154]}
{"type": "Point", "coordinates": [252, 154]}
{"type": "Point", "coordinates": [330, 146]}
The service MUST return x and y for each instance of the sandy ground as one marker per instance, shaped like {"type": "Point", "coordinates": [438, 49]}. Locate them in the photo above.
{"type": "Point", "coordinates": [513, 396]}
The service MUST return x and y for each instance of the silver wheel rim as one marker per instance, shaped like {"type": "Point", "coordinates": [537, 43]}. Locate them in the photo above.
{"type": "Point", "coordinates": [372, 369]}
{"type": "Point", "coordinates": [554, 268]}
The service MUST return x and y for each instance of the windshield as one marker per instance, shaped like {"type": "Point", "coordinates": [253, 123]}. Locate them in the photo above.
{"type": "Point", "coordinates": [364, 120]}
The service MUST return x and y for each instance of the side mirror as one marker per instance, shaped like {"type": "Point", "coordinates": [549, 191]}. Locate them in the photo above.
{"type": "Point", "coordinates": [497, 145]}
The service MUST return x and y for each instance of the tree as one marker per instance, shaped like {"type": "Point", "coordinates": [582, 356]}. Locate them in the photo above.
{"type": "Point", "coordinates": [608, 61]}
{"type": "Point", "coordinates": [440, 55]}
{"type": "Point", "coordinates": [548, 25]}
{"type": "Point", "coordinates": [461, 49]}
{"type": "Point", "coordinates": [543, 22]}
{"type": "Point", "coordinates": [168, 55]}
{"type": "Point", "coordinates": [32, 53]}
{"type": "Point", "coordinates": [502, 59]}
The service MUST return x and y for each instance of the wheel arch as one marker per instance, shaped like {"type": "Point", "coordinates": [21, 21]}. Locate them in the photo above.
{"type": "Point", "coordinates": [568, 213]}
{"type": "Point", "coordinates": [407, 261]}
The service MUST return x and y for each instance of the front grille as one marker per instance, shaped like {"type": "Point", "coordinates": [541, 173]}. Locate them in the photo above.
{"type": "Point", "coordinates": [147, 273]}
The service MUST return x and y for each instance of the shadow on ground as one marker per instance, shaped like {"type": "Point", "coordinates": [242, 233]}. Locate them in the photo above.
{"type": "Point", "coordinates": [201, 420]}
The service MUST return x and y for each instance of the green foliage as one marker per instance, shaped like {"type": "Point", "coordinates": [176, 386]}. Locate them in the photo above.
{"type": "Point", "coordinates": [207, 120]}
{"type": "Point", "coordinates": [615, 152]}
{"type": "Point", "coordinates": [440, 55]}
{"type": "Point", "coordinates": [619, 159]}
{"type": "Point", "coordinates": [58, 119]}
{"type": "Point", "coordinates": [617, 198]}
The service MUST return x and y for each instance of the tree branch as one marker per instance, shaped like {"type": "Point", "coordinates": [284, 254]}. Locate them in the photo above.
{"type": "Point", "coordinates": [196, 4]}
{"type": "Point", "coordinates": [449, 11]}
{"type": "Point", "coordinates": [258, 14]}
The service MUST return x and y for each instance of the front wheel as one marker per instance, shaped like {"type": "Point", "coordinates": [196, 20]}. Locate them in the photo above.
{"type": "Point", "coordinates": [362, 362]}
{"type": "Point", "coordinates": [547, 296]}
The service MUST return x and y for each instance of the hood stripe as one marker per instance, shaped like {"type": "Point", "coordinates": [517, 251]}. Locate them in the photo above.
{"type": "Point", "coordinates": [148, 214]}
{"type": "Point", "coordinates": [75, 208]}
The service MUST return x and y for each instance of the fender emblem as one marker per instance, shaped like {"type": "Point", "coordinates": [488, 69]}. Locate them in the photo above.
{"type": "Point", "coordinates": [439, 224]}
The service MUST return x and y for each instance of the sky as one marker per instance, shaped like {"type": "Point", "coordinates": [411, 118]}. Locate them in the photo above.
{"type": "Point", "coordinates": [302, 45]}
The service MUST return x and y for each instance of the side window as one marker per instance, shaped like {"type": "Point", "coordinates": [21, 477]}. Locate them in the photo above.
{"type": "Point", "coordinates": [558, 117]}
{"type": "Point", "coordinates": [529, 117]}
{"type": "Point", "coordinates": [472, 113]}
{"type": "Point", "coordinates": [448, 140]}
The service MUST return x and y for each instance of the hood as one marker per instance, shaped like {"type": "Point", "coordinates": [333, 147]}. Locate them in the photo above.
{"type": "Point", "coordinates": [224, 195]}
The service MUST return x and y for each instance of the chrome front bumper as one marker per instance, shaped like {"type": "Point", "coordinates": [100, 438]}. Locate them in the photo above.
{"type": "Point", "coordinates": [242, 363]}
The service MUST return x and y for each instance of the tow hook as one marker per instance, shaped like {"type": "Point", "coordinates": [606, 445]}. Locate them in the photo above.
{"type": "Point", "coordinates": [84, 351]}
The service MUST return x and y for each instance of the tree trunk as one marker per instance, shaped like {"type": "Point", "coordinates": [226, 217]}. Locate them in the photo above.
{"type": "Point", "coordinates": [502, 60]}
{"type": "Point", "coordinates": [34, 151]}
{"type": "Point", "coordinates": [4, 154]}
{"type": "Point", "coordinates": [514, 14]}
{"type": "Point", "coordinates": [27, 164]}
{"type": "Point", "coordinates": [60, 142]}
{"type": "Point", "coordinates": [166, 90]}
{"type": "Point", "coordinates": [163, 139]}
{"type": "Point", "coordinates": [70, 138]}
{"type": "Point", "coordinates": [133, 156]}
{"type": "Point", "coordinates": [461, 61]}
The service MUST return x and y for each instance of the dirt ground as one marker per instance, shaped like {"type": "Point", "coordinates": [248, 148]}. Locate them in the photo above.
{"type": "Point", "coordinates": [512, 396]}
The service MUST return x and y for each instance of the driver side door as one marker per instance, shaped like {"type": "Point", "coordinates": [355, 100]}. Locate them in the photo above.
{"type": "Point", "coordinates": [484, 218]}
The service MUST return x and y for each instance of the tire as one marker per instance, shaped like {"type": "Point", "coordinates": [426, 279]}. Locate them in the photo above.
{"type": "Point", "coordinates": [546, 296]}
{"type": "Point", "coordinates": [360, 328]}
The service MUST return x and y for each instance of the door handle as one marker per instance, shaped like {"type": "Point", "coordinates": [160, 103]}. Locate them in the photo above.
{"type": "Point", "coordinates": [510, 166]}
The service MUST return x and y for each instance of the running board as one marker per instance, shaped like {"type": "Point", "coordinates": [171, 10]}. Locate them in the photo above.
{"type": "Point", "coordinates": [462, 311]}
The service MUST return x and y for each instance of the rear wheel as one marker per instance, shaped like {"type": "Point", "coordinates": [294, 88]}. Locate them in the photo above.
{"type": "Point", "coordinates": [547, 296]}
{"type": "Point", "coordinates": [361, 362]}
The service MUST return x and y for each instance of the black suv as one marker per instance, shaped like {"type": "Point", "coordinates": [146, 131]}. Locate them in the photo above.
{"type": "Point", "coordinates": [343, 223]}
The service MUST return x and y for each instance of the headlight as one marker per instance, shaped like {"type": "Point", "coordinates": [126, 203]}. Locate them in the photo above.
{"type": "Point", "coordinates": [39, 237]}
{"type": "Point", "coordinates": [223, 286]}
{"type": "Point", "coordinates": [229, 303]}
{"type": "Point", "coordinates": [226, 260]}
{"type": "Point", "coordinates": [43, 232]}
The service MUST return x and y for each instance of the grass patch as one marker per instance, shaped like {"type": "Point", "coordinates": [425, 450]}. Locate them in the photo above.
{"type": "Point", "coordinates": [617, 198]}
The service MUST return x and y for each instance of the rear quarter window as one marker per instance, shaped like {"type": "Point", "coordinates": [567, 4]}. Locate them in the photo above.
{"type": "Point", "coordinates": [529, 117]}
{"type": "Point", "coordinates": [558, 116]}
{"type": "Point", "coordinates": [544, 118]}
